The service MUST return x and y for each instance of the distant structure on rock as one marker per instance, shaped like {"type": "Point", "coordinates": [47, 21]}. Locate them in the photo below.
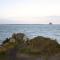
{"type": "Point", "coordinates": [50, 23]}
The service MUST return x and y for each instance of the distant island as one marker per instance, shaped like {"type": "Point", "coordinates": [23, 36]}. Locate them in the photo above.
{"type": "Point", "coordinates": [50, 23]}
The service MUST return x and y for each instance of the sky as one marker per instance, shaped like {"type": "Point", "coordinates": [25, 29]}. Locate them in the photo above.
{"type": "Point", "coordinates": [29, 11]}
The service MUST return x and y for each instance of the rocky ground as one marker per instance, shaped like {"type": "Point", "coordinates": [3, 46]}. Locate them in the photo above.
{"type": "Point", "coordinates": [19, 47]}
{"type": "Point", "coordinates": [27, 57]}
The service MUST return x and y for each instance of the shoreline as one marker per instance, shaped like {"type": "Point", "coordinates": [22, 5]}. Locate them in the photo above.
{"type": "Point", "coordinates": [20, 45]}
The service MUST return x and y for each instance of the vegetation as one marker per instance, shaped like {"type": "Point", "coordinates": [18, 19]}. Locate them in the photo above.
{"type": "Point", "coordinates": [41, 46]}
{"type": "Point", "coordinates": [36, 46]}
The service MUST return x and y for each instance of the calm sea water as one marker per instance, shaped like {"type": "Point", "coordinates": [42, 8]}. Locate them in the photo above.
{"type": "Point", "coordinates": [52, 31]}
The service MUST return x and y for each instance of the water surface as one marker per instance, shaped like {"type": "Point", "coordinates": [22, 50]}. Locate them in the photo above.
{"type": "Point", "coordinates": [31, 30]}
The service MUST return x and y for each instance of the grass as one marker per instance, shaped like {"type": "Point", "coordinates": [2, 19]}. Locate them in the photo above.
{"type": "Point", "coordinates": [37, 46]}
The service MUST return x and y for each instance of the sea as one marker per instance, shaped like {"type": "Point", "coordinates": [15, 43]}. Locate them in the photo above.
{"type": "Point", "coordinates": [30, 30]}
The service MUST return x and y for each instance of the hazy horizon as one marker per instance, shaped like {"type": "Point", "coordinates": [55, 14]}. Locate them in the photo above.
{"type": "Point", "coordinates": [29, 11]}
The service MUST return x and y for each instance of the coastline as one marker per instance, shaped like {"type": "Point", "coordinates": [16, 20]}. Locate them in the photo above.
{"type": "Point", "coordinates": [36, 48]}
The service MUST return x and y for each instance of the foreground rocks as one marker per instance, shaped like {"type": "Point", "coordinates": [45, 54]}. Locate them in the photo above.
{"type": "Point", "coordinates": [20, 47]}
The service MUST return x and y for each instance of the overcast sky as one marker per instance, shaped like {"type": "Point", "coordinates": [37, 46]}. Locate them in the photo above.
{"type": "Point", "coordinates": [29, 11]}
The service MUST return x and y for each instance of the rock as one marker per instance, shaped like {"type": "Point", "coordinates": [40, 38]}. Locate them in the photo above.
{"type": "Point", "coordinates": [18, 36]}
{"type": "Point", "coordinates": [5, 41]}
{"type": "Point", "coordinates": [12, 40]}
